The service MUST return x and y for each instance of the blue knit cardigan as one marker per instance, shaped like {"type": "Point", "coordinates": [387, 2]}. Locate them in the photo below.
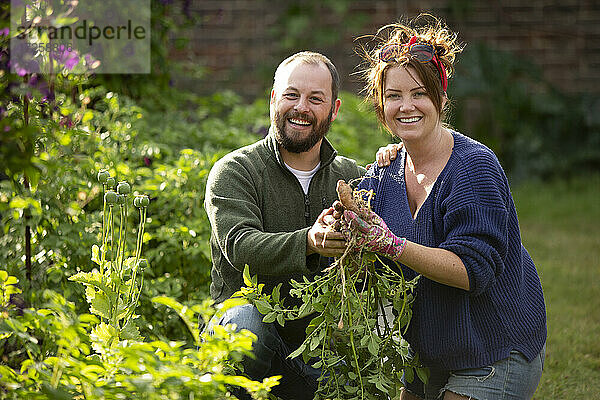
{"type": "Point", "coordinates": [470, 212]}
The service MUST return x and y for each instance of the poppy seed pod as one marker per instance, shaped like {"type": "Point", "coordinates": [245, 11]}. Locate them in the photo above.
{"type": "Point", "coordinates": [142, 264]}
{"type": "Point", "coordinates": [110, 197]}
{"type": "Point", "coordinates": [123, 188]}
{"type": "Point", "coordinates": [103, 175]}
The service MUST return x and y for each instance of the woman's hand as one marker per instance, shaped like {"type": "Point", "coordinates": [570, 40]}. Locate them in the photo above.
{"type": "Point", "coordinates": [372, 234]}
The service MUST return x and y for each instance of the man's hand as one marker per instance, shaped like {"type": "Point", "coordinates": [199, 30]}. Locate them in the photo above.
{"type": "Point", "coordinates": [323, 239]}
{"type": "Point", "coordinates": [385, 155]}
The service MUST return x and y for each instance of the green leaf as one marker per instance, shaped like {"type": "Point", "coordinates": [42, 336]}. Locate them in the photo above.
{"type": "Point", "coordinates": [233, 302]}
{"type": "Point", "coordinates": [263, 307]}
{"type": "Point", "coordinates": [99, 303]}
{"type": "Point", "coordinates": [169, 302]}
{"type": "Point", "coordinates": [96, 254]}
{"type": "Point", "coordinates": [270, 317]}
{"type": "Point", "coordinates": [276, 293]}
{"type": "Point", "coordinates": [364, 340]}
{"type": "Point", "coordinates": [55, 393]}
{"type": "Point", "coordinates": [104, 333]}
{"type": "Point", "coordinates": [25, 365]}
{"type": "Point", "coordinates": [351, 389]}
{"type": "Point", "coordinates": [18, 202]}
{"type": "Point", "coordinates": [373, 346]}
{"type": "Point", "coordinates": [246, 275]}
{"type": "Point", "coordinates": [128, 264]}
{"type": "Point", "coordinates": [281, 319]}
{"type": "Point", "coordinates": [314, 323]}
{"type": "Point", "coordinates": [92, 371]}
{"type": "Point", "coordinates": [95, 279]}
{"type": "Point", "coordinates": [380, 385]}
{"type": "Point", "coordinates": [305, 309]}
{"type": "Point", "coordinates": [314, 343]}
{"type": "Point", "coordinates": [183, 311]}
{"type": "Point", "coordinates": [130, 331]}
{"type": "Point", "coordinates": [298, 351]}
{"type": "Point", "coordinates": [11, 280]}
{"type": "Point", "coordinates": [423, 374]}
{"type": "Point", "coordinates": [318, 306]}
{"type": "Point", "coordinates": [88, 115]}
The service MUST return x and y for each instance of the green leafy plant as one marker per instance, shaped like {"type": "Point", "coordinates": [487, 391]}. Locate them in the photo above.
{"type": "Point", "coordinates": [362, 308]}
{"type": "Point", "coordinates": [113, 291]}
{"type": "Point", "coordinates": [8, 287]}
{"type": "Point", "coordinates": [64, 365]}
{"type": "Point", "coordinates": [102, 354]}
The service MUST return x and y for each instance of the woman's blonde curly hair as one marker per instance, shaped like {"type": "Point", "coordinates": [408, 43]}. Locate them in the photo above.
{"type": "Point", "coordinates": [426, 28]}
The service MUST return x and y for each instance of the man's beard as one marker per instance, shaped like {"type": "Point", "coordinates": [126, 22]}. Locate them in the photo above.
{"type": "Point", "coordinates": [292, 142]}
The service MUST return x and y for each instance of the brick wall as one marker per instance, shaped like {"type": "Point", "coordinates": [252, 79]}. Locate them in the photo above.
{"type": "Point", "coordinates": [234, 39]}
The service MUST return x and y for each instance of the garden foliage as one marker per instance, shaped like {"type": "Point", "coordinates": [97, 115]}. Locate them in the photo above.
{"type": "Point", "coordinates": [72, 322]}
{"type": "Point", "coordinates": [57, 131]}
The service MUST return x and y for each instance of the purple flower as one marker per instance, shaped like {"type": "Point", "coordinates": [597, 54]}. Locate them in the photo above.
{"type": "Point", "coordinates": [33, 80]}
{"type": "Point", "coordinates": [72, 62]}
{"type": "Point", "coordinates": [4, 32]}
{"type": "Point", "coordinates": [68, 58]}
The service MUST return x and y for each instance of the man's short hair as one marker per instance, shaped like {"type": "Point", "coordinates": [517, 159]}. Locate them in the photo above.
{"type": "Point", "coordinates": [310, 57]}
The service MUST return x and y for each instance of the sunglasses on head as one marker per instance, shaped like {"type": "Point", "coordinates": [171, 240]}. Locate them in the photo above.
{"type": "Point", "coordinates": [422, 52]}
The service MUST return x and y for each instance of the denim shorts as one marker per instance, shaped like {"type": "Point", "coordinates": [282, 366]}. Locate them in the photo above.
{"type": "Point", "coordinates": [510, 379]}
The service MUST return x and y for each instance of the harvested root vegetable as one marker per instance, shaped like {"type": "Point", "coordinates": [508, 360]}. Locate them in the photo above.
{"type": "Point", "coordinates": [338, 209]}
{"type": "Point", "coordinates": [332, 222]}
{"type": "Point", "coordinates": [344, 192]}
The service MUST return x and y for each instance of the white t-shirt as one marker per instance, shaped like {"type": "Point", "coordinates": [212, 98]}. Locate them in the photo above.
{"type": "Point", "coordinates": [304, 177]}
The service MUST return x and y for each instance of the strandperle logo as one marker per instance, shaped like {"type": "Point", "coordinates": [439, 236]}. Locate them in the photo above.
{"type": "Point", "coordinates": [86, 31]}
{"type": "Point", "coordinates": [86, 36]}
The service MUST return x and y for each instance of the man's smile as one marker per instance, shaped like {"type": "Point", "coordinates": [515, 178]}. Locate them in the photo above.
{"type": "Point", "coordinates": [298, 121]}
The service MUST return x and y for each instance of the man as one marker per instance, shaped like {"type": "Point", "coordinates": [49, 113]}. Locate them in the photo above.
{"type": "Point", "coordinates": [266, 203]}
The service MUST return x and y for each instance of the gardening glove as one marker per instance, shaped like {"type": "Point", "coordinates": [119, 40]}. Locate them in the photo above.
{"type": "Point", "coordinates": [372, 234]}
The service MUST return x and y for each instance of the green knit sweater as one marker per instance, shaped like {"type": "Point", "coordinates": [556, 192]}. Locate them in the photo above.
{"type": "Point", "coordinates": [260, 216]}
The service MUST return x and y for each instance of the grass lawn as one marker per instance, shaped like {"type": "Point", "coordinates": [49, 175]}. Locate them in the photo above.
{"type": "Point", "coordinates": [560, 226]}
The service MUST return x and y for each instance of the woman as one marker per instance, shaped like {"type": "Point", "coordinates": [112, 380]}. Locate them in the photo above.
{"type": "Point", "coordinates": [479, 321]}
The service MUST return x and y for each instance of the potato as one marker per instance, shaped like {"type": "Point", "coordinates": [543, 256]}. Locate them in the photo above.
{"type": "Point", "coordinates": [344, 192]}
